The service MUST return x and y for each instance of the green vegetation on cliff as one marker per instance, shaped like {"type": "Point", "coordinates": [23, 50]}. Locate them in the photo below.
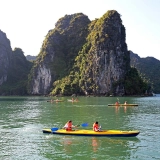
{"type": "Point", "coordinates": [64, 43]}
{"type": "Point", "coordinates": [134, 84]}
{"type": "Point", "coordinates": [148, 69]}
{"type": "Point", "coordinates": [61, 46]}
{"type": "Point", "coordinates": [81, 80]}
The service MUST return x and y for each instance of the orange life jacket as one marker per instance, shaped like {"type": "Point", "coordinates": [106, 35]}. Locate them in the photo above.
{"type": "Point", "coordinates": [95, 127]}
{"type": "Point", "coordinates": [116, 103]}
{"type": "Point", "coordinates": [69, 126]}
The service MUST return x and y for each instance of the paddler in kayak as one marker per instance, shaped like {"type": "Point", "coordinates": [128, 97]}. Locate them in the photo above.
{"type": "Point", "coordinates": [68, 126]}
{"type": "Point", "coordinates": [116, 103]}
{"type": "Point", "coordinates": [96, 127]}
{"type": "Point", "coordinates": [125, 103]}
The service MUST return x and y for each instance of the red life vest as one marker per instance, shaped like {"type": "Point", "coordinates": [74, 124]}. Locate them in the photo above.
{"type": "Point", "coordinates": [95, 127]}
{"type": "Point", "coordinates": [117, 103]}
{"type": "Point", "coordinates": [68, 126]}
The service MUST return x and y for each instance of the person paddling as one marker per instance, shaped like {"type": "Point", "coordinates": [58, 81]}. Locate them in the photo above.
{"type": "Point", "coordinates": [117, 103]}
{"type": "Point", "coordinates": [68, 126]}
{"type": "Point", "coordinates": [96, 127]}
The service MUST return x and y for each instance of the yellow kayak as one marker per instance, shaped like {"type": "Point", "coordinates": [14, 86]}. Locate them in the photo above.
{"type": "Point", "coordinates": [107, 133]}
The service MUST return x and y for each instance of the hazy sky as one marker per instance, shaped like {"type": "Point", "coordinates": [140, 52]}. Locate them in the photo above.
{"type": "Point", "coordinates": [27, 22]}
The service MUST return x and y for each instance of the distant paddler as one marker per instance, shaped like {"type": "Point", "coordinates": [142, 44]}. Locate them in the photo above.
{"type": "Point", "coordinates": [125, 103]}
{"type": "Point", "coordinates": [117, 104]}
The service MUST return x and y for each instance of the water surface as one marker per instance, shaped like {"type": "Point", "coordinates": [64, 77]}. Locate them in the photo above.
{"type": "Point", "coordinates": [23, 118]}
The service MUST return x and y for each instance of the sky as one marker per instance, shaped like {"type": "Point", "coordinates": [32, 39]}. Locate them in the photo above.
{"type": "Point", "coordinates": [27, 22]}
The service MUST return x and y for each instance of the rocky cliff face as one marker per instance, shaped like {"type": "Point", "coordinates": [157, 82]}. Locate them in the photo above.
{"type": "Point", "coordinates": [112, 56]}
{"type": "Point", "coordinates": [103, 62]}
{"type": "Point", "coordinates": [5, 57]}
{"type": "Point", "coordinates": [107, 59]}
{"type": "Point", "coordinates": [58, 52]}
{"type": "Point", "coordinates": [41, 81]}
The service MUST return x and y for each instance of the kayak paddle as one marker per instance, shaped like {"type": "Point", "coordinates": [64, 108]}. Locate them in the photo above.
{"type": "Point", "coordinates": [54, 129]}
{"type": "Point", "coordinates": [118, 100]}
{"type": "Point", "coordinates": [83, 125]}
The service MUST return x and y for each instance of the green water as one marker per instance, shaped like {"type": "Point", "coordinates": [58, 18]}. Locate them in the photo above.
{"type": "Point", "coordinates": [23, 118]}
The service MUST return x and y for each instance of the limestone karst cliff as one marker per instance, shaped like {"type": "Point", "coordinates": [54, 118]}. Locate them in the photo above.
{"type": "Point", "coordinates": [14, 69]}
{"type": "Point", "coordinates": [103, 62]}
{"type": "Point", "coordinates": [58, 52]}
{"type": "Point", "coordinates": [17, 73]}
{"type": "Point", "coordinates": [5, 57]}
{"type": "Point", "coordinates": [83, 57]}
{"type": "Point", "coordinates": [78, 56]}
{"type": "Point", "coordinates": [107, 58]}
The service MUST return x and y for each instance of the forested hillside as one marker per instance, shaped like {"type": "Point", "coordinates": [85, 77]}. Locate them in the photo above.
{"type": "Point", "coordinates": [17, 77]}
{"type": "Point", "coordinates": [149, 69]}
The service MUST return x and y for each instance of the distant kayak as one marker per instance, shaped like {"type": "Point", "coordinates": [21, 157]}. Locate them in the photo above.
{"type": "Point", "coordinates": [123, 105]}
{"type": "Point", "coordinates": [70, 100]}
{"type": "Point", "coordinates": [104, 133]}
{"type": "Point", "coordinates": [56, 100]}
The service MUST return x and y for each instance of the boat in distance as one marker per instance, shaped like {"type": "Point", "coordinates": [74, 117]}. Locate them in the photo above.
{"type": "Point", "coordinates": [70, 100]}
{"type": "Point", "coordinates": [57, 100]}
{"type": "Point", "coordinates": [122, 104]}
{"type": "Point", "coordinates": [103, 133]}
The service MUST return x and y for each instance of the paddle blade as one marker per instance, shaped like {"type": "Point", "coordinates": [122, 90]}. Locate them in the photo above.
{"type": "Point", "coordinates": [84, 125]}
{"type": "Point", "coordinates": [54, 129]}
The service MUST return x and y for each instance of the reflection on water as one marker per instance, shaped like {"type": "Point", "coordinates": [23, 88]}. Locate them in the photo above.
{"type": "Point", "coordinates": [95, 148]}
{"type": "Point", "coordinates": [114, 147]}
{"type": "Point", "coordinates": [123, 108]}
{"type": "Point", "coordinates": [95, 144]}
{"type": "Point", "coordinates": [67, 142]}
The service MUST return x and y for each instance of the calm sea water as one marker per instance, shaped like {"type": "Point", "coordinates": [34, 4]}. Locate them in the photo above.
{"type": "Point", "coordinates": [23, 118]}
